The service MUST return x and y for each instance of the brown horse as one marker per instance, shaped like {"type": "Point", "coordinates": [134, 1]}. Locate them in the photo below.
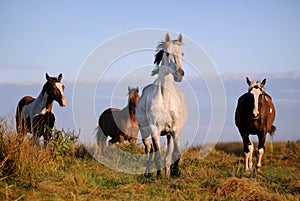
{"type": "Point", "coordinates": [255, 114]}
{"type": "Point", "coordinates": [120, 125]}
{"type": "Point", "coordinates": [35, 114]}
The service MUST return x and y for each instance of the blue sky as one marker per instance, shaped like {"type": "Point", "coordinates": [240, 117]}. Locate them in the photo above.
{"type": "Point", "coordinates": [54, 36]}
{"type": "Point", "coordinates": [241, 37]}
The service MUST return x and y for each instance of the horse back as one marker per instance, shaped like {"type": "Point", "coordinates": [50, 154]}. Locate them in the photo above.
{"type": "Point", "coordinates": [26, 100]}
{"type": "Point", "coordinates": [107, 121]}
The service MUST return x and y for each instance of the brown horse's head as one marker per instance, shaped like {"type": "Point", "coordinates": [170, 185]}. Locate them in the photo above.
{"type": "Point", "coordinates": [55, 90]}
{"type": "Point", "coordinates": [133, 98]}
{"type": "Point", "coordinates": [256, 89]}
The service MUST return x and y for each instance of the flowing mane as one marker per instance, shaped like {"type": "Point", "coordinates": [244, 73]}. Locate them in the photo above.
{"type": "Point", "coordinates": [160, 48]}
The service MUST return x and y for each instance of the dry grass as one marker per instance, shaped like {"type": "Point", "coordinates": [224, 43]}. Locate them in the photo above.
{"type": "Point", "coordinates": [27, 173]}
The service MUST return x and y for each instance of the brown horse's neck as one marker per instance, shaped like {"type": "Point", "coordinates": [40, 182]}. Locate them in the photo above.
{"type": "Point", "coordinates": [49, 106]}
{"type": "Point", "coordinates": [133, 117]}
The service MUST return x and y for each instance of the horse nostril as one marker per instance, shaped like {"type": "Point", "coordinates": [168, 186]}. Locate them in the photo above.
{"type": "Point", "coordinates": [181, 72]}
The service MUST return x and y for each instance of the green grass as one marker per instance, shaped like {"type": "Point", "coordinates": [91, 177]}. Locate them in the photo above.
{"type": "Point", "coordinates": [69, 173]}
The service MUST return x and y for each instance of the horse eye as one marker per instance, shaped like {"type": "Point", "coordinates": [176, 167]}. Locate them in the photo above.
{"type": "Point", "coordinates": [167, 54]}
{"type": "Point", "coordinates": [63, 86]}
{"type": "Point", "coordinates": [182, 54]}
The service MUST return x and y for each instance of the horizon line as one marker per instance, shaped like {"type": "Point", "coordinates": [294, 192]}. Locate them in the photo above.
{"type": "Point", "coordinates": [234, 76]}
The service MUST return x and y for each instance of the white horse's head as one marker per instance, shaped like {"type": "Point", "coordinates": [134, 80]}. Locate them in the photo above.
{"type": "Point", "coordinates": [169, 54]}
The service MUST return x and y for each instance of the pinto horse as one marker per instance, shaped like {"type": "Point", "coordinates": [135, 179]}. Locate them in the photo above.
{"type": "Point", "coordinates": [35, 114]}
{"type": "Point", "coordinates": [255, 114]}
{"type": "Point", "coordinates": [120, 125]}
{"type": "Point", "coordinates": [162, 109]}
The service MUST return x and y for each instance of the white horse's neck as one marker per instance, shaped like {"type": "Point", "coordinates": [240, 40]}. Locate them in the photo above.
{"type": "Point", "coordinates": [165, 77]}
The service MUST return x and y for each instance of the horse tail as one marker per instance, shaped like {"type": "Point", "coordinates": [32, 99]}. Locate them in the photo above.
{"type": "Point", "coordinates": [19, 122]}
{"type": "Point", "coordinates": [101, 138]}
{"type": "Point", "coordinates": [18, 118]}
{"type": "Point", "coordinates": [272, 131]}
{"type": "Point", "coordinates": [22, 124]}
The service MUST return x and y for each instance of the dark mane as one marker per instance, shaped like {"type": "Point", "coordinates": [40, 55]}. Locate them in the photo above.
{"type": "Point", "coordinates": [48, 84]}
{"type": "Point", "coordinates": [45, 87]}
{"type": "Point", "coordinates": [158, 57]}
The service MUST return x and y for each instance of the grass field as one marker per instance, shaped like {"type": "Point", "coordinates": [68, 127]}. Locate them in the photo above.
{"type": "Point", "coordinates": [65, 171]}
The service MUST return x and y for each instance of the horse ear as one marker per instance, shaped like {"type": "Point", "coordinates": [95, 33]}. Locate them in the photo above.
{"type": "Point", "coordinates": [264, 82]}
{"type": "Point", "coordinates": [248, 81]}
{"type": "Point", "coordinates": [137, 89]}
{"type": "Point", "coordinates": [59, 77]}
{"type": "Point", "coordinates": [128, 88]}
{"type": "Point", "coordinates": [180, 38]}
{"type": "Point", "coordinates": [167, 37]}
{"type": "Point", "coordinates": [47, 77]}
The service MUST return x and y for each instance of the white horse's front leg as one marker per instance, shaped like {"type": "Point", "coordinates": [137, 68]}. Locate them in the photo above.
{"type": "Point", "coordinates": [147, 143]}
{"type": "Point", "coordinates": [176, 154]}
{"type": "Point", "coordinates": [170, 148]}
{"type": "Point", "coordinates": [157, 154]}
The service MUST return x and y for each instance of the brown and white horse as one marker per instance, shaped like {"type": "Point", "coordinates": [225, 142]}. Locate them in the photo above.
{"type": "Point", "coordinates": [255, 114]}
{"type": "Point", "coordinates": [35, 114]}
{"type": "Point", "coordinates": [120, 125]}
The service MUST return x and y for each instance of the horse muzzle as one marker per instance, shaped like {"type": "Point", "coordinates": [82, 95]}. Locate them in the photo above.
{"type": "Point", "coordinates": [179, 75]}
{"type": "Point", "coordinates": [62, 102]}
{"type": "Point", "coordinates": [256, 116]}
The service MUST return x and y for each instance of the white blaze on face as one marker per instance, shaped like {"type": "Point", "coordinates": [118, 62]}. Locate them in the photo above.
{"type": "Point", "coordinates": [256, 92]}
{"type": "Point", "coordinates": [60, 88]}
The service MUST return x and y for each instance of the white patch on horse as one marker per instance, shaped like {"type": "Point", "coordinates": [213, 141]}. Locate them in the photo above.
{"type": "Point", "coordinates": [271, 110]}
{"type": "Point", "coordinates": [38, 106]}
{"type": "Point", "coordinates": [256, 93]}
{"type": "Point", "coordinates": [60, 88]}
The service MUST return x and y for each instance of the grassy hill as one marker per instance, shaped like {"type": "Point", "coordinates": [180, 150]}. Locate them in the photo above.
{"type": "Point", "coordinates": [65, 171]}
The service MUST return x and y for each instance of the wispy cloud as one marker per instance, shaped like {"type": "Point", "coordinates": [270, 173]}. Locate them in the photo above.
{"type": "Point", "coordinates": [269, 75]}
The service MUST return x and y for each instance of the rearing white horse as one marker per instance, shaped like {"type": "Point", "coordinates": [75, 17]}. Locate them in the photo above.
{"type": "Point", "coordinates": [162, 108]}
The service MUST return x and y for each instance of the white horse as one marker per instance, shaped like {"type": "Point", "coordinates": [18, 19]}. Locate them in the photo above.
{"type": "Point", "coordinates": [162, 108]}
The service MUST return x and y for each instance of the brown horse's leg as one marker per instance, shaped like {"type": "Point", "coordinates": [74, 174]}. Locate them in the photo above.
{"type": "Point", "coordinates": [248, 150]}
{"type": "Point", "coordinates": [132, 140]}
{"type": "Point", "coordinates": [261, 147]}
{"type": "Point", "coordinates": [47, 128]}
{"type": "Point", "coordinates": [121, 139]}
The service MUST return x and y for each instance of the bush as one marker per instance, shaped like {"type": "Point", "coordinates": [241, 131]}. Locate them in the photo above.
{"type": "Point", "coordinates": [22, 163]}
{"type": "Point", "coordinates": [62, 142]}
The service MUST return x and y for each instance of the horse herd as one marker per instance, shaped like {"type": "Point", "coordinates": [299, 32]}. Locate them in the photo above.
{"type": "Point", "coordinates": [160, 111]}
